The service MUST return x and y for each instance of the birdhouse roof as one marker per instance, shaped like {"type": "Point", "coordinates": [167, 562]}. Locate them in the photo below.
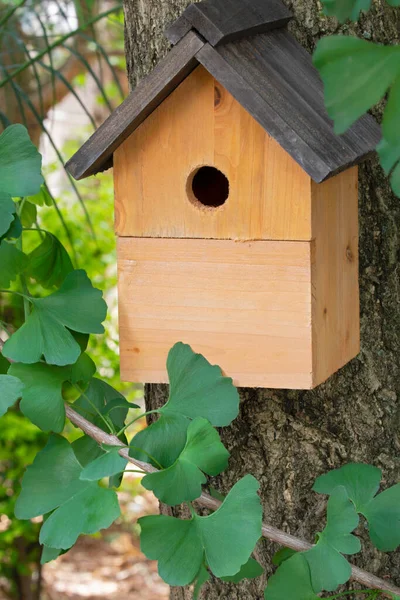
{"type": "Point", "coordinates": [245, 46]}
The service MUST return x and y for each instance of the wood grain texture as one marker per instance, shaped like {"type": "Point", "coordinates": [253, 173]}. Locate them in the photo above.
{"type": "Point", "coordinates": [274, 79]}
{"type": "Point", "coordinates": [220, 21]}
{"type": "Point", "coordinates": [202, 124]}
{"type": "Point", "coordinates": [202, 292]}
{"type": "Point", "coordinates": [336, 303]}
{"type": "Point", "coordinates": [141, 102]}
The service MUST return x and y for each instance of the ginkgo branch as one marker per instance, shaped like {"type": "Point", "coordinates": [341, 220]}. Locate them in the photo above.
{"type": "Point", "coordinates": [206, 501]}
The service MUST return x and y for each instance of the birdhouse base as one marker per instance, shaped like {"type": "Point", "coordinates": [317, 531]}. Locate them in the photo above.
{"type": "Point", "coordinates": [273, 314]}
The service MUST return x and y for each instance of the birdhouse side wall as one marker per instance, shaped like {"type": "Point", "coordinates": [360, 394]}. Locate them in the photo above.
{"type": "Point", "coordinates": [200, 124]}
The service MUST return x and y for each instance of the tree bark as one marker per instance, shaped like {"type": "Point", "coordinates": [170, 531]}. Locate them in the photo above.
{"type": "Point", "coordinates": [287, 438]}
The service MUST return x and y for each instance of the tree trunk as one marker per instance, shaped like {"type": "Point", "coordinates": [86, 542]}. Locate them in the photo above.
{"type": "Point", "coordinates": [287, 438]}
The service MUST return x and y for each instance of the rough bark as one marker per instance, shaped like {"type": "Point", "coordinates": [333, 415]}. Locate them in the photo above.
{"type": "Point", "coordinates": [287, 438]}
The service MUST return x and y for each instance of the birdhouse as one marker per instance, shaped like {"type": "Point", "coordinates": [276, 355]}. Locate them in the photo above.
{"type": "Point", "coordinates": [235, 204]}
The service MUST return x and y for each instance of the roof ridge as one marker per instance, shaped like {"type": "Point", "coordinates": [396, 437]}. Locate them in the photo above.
{"type": "Point", "coordinates": [223, 21]}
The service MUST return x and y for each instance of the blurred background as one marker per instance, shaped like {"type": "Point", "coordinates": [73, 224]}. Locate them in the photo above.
{"type": "Point", "coordinates": [62, 71]}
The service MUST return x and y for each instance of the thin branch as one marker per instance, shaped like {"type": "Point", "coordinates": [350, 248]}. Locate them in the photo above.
{"type": "Point", "coordinates": [206, 501]}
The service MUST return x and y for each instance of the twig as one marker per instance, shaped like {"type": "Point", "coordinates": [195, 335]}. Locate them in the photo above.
{"type": "Point", "coordinates": [206, 501]}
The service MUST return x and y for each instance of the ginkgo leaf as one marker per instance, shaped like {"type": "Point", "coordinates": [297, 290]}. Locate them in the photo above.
{"type": "Point", "coordinates": [345, 9]}
{"type": "Point", "coordinates": [14, 231]}
{"type": "Point", "coordinates": [250, 570]}
{"type": "Point", "coordinates": [42, 400]}
{"type": "Point", "coordinates": [49, 554]}
{"type": "Point", "coordinates": [49, 263]}
{"type": "Point", "coordinates": [328, 567]}
{"type": "Point", "coordinates": [98, 396]}
{"type": "Point", "coordinates": [28, 214]}
{"type": "Point", "coordinates": [77, 305]}
{"type": "Point", "coordinates": [162, 442]}
{"type": "Point", "coordinates": [356, 75]}
{"type": "Point", "coordinates": [222, 539]}
{"type": "Point", "coordinates": [182, 482]}
{"type": "Point", "coordinates": [12, 261]}
{"type": "Point", "coordinates": [382, 511]}
{"type": "Point", "coordinates": [389, 147]}
{"type": "Point", "coordinates": [7, 212]}
{"type": "Point", "coordinates": [52, 483]}
{"type": "Point", "coordinates": [42, 198]}
{"type": "Point", "coordinates": [11, 389]}
{"type": "Point", "coordinates": [20, 163]}
{"type": "Point", "coordinates": [106, 465]}
{"type": "Point", "coordinates": [198, 389]}
{"type": "Point", "coordinates": [292, 580]}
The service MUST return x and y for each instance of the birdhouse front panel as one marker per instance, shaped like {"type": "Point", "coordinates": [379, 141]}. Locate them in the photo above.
{"type": "Point", "coordinates": [235, 204]}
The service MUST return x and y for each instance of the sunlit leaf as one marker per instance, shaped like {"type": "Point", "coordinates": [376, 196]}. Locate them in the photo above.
{"type": "Point", "coordinates": [52, 483]}
{"type": "Point", "coordinates": [328, 567]}
{"type": "Point", "coordinates": [77, 305]}
{"type": "Point", "coordinates": [106, 465]}
{"type": "Point", "coordinates": [224, 540]}
{"type": "Point", "coordinates": [42, 198]}
{"type": "Point", "coordinates": [7, 212]}
{"type": "Point", "coordinates": [49, 263]}
{"type": "Point", "coordinates": [20, 163]}
{"type": "Point", "coordinates": [250, 570]}
{"type": "Point", "coordinates": [12, 263]}
{"type": "Point", "coordinates": [291, 580]}
{"type": "Point", "coordinates": [11, 389]}
{"type": "Point", "coordinates": [356, 75]}
{"type": "Point", "coordinates": [203, 453]}
{"type": "Point", "coordinates": [28, 214]}
{"type": "Point", "coordinates": [198, 389]}
{"type": "Point", "coordinates": [382, 511]}
{"type": "Point", "coordinates": [345, 9]}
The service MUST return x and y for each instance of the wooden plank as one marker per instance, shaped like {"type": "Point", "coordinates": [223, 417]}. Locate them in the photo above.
{"type": "Point", "coordinates": [141, 102]}
{"type": "Point", "coordinates": [202, 124]}
{"type": "Point", "coordinates": [274, 79]}
{"type": "Point", "coordinates": [177, 30]}
{"type": "Point", "coordinates": [336, 306]}
{"type": "Point", "coordinates": [245, 306]}
{"type": "Point", "coordinates": [220, 21]}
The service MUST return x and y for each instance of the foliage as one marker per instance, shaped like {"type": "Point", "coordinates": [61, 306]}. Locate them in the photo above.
{"type": "Point", "coordinates": [357, 74]}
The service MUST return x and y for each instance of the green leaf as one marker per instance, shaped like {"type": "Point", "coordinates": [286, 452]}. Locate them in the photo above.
{"type": "Point", "coordinates": [15, 230]}
{"type": "Point", "coordinates": [77, 305]}
{"type": "Point", "coordinates": [182, 481]}
{"type": "Point", "coordinates": [101, 395]}
{"type": "Point", "coordinates": [250, 570]}
{"type": "Point", "coordinates": [282, 555]}
{"type": "Point", "coordinates": [202, 577]}
{"type": "Point", "coordinates": [49, 554]}
{"type": "Point", "coordinates": [7, 212]}
{"type": "Point", "coordinates": [42, 198]}
{"type": "Point", "coordinates": [382, 511]}
{"type": "Point", "coordinates": [198, 389]}
{"type": "Point", "coordinates": [12, 261]}
{"type": "Point", "coordinates": [86, 450]}
{"type": "Point", "coordinates": [356, 75]}
{"type": "Point", "coordinates": [389, 147]}
{"type": "Point", "coordinates": [107, 465]}
{"type": "Point", "coordinates": [292, 580]}
{"type": "Point", "coordinates": [49, 263]}
{"type": "Point", "coordinates": [83, 370]}
{"type": "Point", "coordinates": [28, 214]}
{"type": "Point", "coordinates": [42, 400]}
{"type": "Point", "coordinates": [345, 9]}
{"type": "Point", "coordinates": [328, 567]}
{"type": "Point", "coordinates": [225, 538]}
{"type": "Point", "coordinates": [52, 483]}
{"type": "Point", "coordinates": [162, 442]}
{"type": "Point", "coordinates": [11, 389]}
{"type": "Point", "coordinates": [20, 163]}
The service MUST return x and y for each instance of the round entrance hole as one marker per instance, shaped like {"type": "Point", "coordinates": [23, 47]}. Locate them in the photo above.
{"type": "Point", "coordinates": [209, 186]}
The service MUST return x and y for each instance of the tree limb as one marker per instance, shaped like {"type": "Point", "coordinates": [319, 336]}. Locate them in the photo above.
{"type": "Point", "coordinates": [206, 501]}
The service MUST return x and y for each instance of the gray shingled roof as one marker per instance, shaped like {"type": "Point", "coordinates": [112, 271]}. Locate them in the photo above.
{"type": "Point", "coordinates": [269, 73]}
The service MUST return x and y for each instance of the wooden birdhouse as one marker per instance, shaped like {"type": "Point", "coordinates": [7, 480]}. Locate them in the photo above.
{"type": "Point", "coordinates": [235, 204]}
